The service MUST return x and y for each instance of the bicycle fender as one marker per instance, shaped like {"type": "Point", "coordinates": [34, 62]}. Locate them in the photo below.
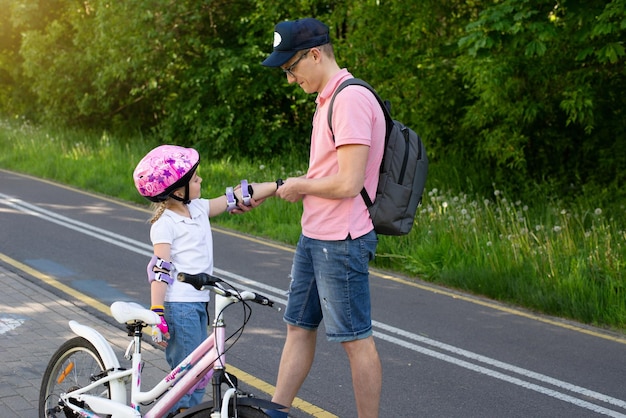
{"type": "Point", "coordinates": [117, 387]}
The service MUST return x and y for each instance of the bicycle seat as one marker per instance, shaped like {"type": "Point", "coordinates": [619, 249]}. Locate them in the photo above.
{"type": "Point", "coordinates": [124, 312]}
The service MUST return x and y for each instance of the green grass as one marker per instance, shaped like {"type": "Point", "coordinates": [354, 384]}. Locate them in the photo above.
{"type": "Point", "coordinates": [536, 252]}
{"type": "Point", "coordinates": [566, 262]}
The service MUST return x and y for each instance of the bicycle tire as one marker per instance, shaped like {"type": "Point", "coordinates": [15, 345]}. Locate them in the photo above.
{"type": "Point", "coordinates": [243, 411]}
{"type": "Point", "coordinates": [71, 366]}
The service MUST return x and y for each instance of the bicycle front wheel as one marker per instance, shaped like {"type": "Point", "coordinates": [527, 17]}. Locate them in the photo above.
{"type": "Point", "coordinates": [75, 364]}
{"type": "Point", "coordinates": [243, 411]}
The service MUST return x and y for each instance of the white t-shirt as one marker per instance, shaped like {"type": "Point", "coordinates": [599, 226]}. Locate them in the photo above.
{"type": "Point", "coordinates": [191, 244]}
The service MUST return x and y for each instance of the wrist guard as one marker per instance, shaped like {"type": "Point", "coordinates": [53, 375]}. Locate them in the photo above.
{"type": "Point", "coordinates": [231, 199]}
{"type": "Point", "coordinates": [246, 192]}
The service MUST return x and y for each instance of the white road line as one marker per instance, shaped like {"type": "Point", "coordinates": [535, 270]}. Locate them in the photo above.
{"type": "Point", "coordinates": [495, 363]}
{"type": "Point", "coordinates": [146, 249]}
{"type": "Point", "coordinates": [501, 376]}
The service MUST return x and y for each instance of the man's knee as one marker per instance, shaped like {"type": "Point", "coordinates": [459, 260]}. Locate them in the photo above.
{"type": "Point", "coordinates": [300, 333]}
{"type": "Point", "coordinates": [364, 346]}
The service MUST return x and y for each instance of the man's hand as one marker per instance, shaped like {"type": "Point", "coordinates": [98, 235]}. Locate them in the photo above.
{"type": "Point", "coordinates": [287, 191]}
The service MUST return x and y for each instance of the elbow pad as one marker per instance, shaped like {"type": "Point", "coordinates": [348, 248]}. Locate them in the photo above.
{"type": "Point", "coordinates": [159, 270]}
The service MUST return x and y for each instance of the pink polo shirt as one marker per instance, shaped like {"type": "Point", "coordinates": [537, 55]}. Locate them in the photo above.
{"type": "Point", "coordinates": [357, 119]}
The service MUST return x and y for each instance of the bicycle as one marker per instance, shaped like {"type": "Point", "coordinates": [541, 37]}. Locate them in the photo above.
{"type": "Point", "coordinates": [84, 377]}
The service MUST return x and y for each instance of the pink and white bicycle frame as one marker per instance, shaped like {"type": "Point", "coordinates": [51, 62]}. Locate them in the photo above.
{"type": "Point", "coordinates": [206, 363]}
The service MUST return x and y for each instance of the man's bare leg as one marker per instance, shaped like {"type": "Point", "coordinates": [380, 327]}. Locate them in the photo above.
{"type": "Point", "coordinates": [367, 375]}
{"type": "Point", "coordinates": [295, 364]}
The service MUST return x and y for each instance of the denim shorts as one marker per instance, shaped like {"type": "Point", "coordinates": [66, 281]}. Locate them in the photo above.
{"type": "Point", "coordinates": [330, 281]}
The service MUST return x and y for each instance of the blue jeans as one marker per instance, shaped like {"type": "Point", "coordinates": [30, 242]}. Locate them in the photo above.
{"type": "Point", "coordinates": [330, 281]}
{"type": "Point", "coordinates": [187, 322]}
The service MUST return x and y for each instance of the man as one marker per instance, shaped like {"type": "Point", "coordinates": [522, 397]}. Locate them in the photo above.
{"type": "Point", "coordinates": [330, 272]}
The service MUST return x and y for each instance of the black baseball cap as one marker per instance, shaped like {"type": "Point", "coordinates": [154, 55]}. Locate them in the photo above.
{"type": "Point", "coordinates": [293, 36]}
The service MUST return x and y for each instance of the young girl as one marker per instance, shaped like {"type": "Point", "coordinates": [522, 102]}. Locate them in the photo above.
{"type": "Point", "coordinates": [182, 240]}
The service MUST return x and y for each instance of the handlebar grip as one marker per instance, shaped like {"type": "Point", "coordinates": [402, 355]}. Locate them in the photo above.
{"type": "Point", "coordinates": [265, 301]}
{"type": "Point", "coordinates": [198, 280]}
{"type": "Point", "coordinates": [262, 300]}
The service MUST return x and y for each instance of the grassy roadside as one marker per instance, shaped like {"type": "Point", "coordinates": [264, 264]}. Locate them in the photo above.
{"type": "Point", "coordinates": [563, 260]}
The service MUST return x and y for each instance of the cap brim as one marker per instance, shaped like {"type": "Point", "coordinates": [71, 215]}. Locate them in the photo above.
{"type": "Point", "coordinates": [278, 58]}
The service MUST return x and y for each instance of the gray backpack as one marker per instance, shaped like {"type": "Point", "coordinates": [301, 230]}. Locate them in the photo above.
{"type": "Point", "coordinates": [403, 172]}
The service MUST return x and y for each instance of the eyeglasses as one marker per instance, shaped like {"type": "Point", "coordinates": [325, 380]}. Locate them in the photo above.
{"type": "Point", "coordinates": [289, 70]}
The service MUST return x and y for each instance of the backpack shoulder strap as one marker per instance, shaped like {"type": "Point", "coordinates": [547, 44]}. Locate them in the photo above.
{"type": "Point", "coordinates": [386, 106]}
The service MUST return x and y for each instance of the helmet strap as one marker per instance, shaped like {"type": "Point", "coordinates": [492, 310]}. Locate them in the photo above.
{"type": "Point", "coordinates": [185, 199]}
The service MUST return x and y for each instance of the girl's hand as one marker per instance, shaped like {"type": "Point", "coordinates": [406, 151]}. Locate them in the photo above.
{"type": "Point", "coordinates": [160, 331]}
{"type": "Point", "coordinates": [241, 208]}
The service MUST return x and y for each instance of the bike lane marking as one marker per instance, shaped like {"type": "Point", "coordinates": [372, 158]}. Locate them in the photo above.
{"type": "Point", "coordinates": [9, 322]}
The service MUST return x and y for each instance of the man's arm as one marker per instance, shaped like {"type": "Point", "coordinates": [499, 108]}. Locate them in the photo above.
{"type": "Point", "coordinates": [347, 182]}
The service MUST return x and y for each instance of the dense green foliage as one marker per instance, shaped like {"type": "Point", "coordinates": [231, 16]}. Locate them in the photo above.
{"type": "Point", "coordinates": [517, 89]}
{"type": "Point", "coordinates": [565, 259]}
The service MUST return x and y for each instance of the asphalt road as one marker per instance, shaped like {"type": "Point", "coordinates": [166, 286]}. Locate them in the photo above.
{"type": "Point", "coordinates": [444, 353]}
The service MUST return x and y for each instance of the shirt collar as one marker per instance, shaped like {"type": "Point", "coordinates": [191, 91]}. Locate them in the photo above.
{"type": "Point", "coordinates": [332, 85]}
{"type": "Point", "coordinates": [193, 211]}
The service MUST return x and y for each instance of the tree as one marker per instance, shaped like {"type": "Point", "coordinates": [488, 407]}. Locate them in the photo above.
{"type": "Point", "coordinates": [511, 91]}
{"type": "Point", "coordinates": [543, 78]}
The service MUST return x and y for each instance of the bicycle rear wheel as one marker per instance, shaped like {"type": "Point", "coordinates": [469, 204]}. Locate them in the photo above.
{"type": "Point", "coordinates": [75, 364]}
{"type": "Point", "coordinates": [204, 410]}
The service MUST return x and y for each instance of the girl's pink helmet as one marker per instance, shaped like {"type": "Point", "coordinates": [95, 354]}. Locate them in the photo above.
{"type": "Point", "coordinates": [165, 169]}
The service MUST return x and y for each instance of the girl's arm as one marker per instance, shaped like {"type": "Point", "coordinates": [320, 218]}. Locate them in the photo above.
{"type": "Point", "coordinates": [260, 191]}
{"type": "Point", "coordinates": [157, 288]}
{"type": "Point", "coordinates": [160, 332]}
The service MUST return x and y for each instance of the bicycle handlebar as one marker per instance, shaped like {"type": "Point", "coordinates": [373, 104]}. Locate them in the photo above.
{"type": "Point", "coordinates": [205, 280]}
{"type": "Point", "coordinates": [199, 280]}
